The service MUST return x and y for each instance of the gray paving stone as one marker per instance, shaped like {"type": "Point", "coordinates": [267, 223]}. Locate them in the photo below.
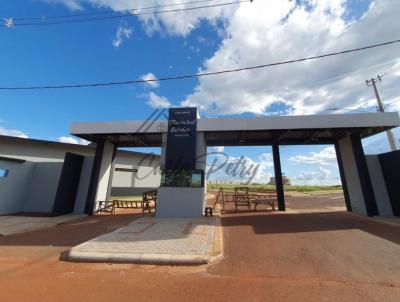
{"type": "Point", "coordinates": [152, 240]}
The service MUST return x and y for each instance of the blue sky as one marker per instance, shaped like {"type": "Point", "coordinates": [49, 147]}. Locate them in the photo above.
{"type": "Point", "coordinates": [207, 40]}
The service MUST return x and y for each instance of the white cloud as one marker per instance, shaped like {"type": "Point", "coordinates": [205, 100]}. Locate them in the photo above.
{"type": "Point", "coordinates": [307, 175]}
{"type": "Point", "coordinates": [123, 32]}
{"type": "Point", "coordinates": [150, 76]}
{"type": "Point", "coordinates": [155, 101]}
{"type": "Point", "coordinates": [219, 149]}
{"type": "Point", "coordinates": [271, 31]}
{"type": "Point", "coordinates": [322, 174]}
{"type": "Point", "coordinates": [71, 140]}
{"type": "Point", "coordinates": [172, 23]}
{"type": "Point", "coordinates": [71, 4]}
{"type": "Point", "coordinates": [326, 156]}
{"type": "Point", "coordinates": [12, 132]}
{"type": "Point", "coordinates": [243, 168]}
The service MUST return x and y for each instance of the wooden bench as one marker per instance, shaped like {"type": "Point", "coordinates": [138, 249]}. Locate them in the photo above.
{"type": "Point", "coordinates": [127, 204]}
{"type": "Point", "coordinates": [149, 197]}
{"type": "Point", "coordinates": [266, 197]}
{"type": "Point", "coordinates": [222, 198]}
{"type": "Point", "coordinates": [242, 197]}
{"type": "Point", "coordinates": [105, 206]}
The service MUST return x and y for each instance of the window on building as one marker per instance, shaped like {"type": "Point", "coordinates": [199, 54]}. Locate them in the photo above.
{"type": "Point", "coordinates": [4, 172]}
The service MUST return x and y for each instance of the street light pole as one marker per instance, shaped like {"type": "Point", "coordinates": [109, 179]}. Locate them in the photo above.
{"type": "Point", "coordinates": [389, 133]}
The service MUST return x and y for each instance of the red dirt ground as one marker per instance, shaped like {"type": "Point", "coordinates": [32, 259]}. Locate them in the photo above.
{"type": "Point", "coordinates": [331, 256]}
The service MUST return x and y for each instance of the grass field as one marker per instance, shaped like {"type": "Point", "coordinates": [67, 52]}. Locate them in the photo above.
{"type": "Point", "coordinates": [303, 189]}
{"type": "Point", "coordinates": [131, 198]}
{"type": "Point", "coordinates": [287, 188]}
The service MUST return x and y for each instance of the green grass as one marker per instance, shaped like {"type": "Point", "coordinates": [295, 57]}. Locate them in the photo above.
{"type": "Point", "coordinates": [130, 198]}
{"type": "Point", "coordinates": [287, 188]}
{"type": "Point", "coordinates": [228, 188]}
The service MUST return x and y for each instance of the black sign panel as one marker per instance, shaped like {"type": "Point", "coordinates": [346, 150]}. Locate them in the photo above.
{"type": "Point", "coordinates": [181, 140]}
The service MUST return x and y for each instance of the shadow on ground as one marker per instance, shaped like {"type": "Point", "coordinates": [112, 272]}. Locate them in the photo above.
{"type": "Point", "coordinates": [71, 233]}
{"type": "Point", "coordinates": [309, 222]}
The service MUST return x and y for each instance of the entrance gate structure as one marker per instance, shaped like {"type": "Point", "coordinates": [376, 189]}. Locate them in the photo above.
{"type": "Point", "coordinates": [344, 131]}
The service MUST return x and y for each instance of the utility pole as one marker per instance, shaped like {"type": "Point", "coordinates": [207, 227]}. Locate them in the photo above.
{"type": "Point", "coordinates": [389, 133]}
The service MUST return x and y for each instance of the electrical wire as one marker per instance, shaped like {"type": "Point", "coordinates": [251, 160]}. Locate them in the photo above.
{"type": "Point", "coordinates": [391, 103]}
{"type": "Point", "coordinates": [198, 75]}
{"type": "Point", "coordinates": [131, 13]}
{"type": "Point", "coordinates": [106, 12]}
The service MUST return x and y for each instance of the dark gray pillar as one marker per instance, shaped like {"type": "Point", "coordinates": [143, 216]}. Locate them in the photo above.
{"type": "Point", "coordinates": [94, 179]}
{"type": "Point", "coordinates": [343, 177]}
{"type": "Point", "coordinates": [278, 177]}
{"type": "Point", "coordinates": [114, 156]}
{"type": "Point", "coordinates": [365, 181]}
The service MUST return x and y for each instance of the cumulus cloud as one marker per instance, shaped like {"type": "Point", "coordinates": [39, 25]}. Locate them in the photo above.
{"type": "Point", "coordinates": [72, 140]}
{"type": "Point", "coordinates": [240, 168]}
{"type": "Point", "coordinates": [12, 132]}
{"type": "Point", "coordinates": [272, 31]}
{"type": "Point", "coordinates": [307, 175]}
{"type": "Point", "coordinates": [326, 156]}
{"type": "Point", "coordinates": [219, 149]}
{"type": "Point", "coordinates": [322, 174]}
{"type": "Point", "coordinates": [173, 23]}
{"type": "Point", "coordinates": [71, 4]}
{"type": "Point", "coordinates": [155, 101]}
{"type": "Point", "coordinates": [123, 33]}
{"type": "Point", "coordinates": [150, 76]}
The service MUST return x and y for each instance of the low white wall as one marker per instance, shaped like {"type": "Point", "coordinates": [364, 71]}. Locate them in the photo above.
{"type": "Point", "coordinates": [174, 202]}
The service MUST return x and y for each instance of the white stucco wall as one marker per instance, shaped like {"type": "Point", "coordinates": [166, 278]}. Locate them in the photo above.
{"type": "Point", "coordinates": [32, 186]}
{"type": "Point", "coordinates": [148, 171]}
{"type": "Point", "coordinates": [13, 188]}
{"type": "Point", "coordinates": [174, 202]}
{"type": "Point", "coordinates": [104, 175]}
{"type": "Point", "coordinates": [42, 187]}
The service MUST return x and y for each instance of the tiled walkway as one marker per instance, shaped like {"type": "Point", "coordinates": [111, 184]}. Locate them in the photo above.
{"type": "Point", "coordinates": [154, 240]}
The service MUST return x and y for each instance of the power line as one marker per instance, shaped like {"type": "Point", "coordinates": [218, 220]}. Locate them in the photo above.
{"type": "Point", "coordinates": [131, 13]}
{"type": "Point", "coordinates": [198, 75]}
{"type": "Point", "coordinates": [127, 10]}
{"type": "Point", "coordinates": [391, 103]}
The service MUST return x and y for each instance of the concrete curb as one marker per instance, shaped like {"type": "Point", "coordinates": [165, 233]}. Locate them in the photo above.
{"type": "Point", "coordinates": [137, 258]}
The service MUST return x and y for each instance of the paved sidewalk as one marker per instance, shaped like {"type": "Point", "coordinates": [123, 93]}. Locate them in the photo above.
{"type": "Point", "coordinates": [151, 240]}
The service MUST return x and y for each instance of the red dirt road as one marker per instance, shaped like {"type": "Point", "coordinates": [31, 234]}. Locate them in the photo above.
{"type": "Point", "coordinates": [332, 256]}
